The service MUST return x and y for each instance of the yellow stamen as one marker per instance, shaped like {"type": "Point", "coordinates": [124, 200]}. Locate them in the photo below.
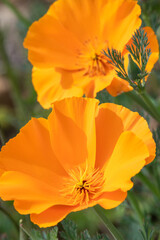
{"type": "Point", "coordinates": [97, 67]}
{"type": "Point", "coordinates": [83, 186]}
{"type": "Point", "coordinates": [91, 60]}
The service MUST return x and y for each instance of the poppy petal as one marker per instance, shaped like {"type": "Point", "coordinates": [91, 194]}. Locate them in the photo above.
{"type": "Point", "coordinates": [30, 152]}
{"type": "Point", "coordinates": [108, 129]}
{"type": "Point", "coordinates": [31, 195]}
{"type": "Point", "coordinates": [118, 86]}
{"type": "Point", "coordinates": [97, 84]}
{"type": "Point", "coordinates": [154, 46]}
{"type": "Point", "coordinates": [81, 17]}
{"type": "Point", "coordinates": [127, 160]}
{"type": "Point", "coordinates": [51, 216]}
{"type": "Point", "coordinates": [28, 207]}
{"type": "Point", "coordinates": [72, 128]}
{"type": "Point", "coordinates": [132, 121]}
{"type": "Point", "coordinates": [122, 24]}
{"type": "Point", "coordinates": [51, 44]}
{"type": "Point", "coordinates": [112, 199]}
{"type": "Point", "coordinates": [49, 85]}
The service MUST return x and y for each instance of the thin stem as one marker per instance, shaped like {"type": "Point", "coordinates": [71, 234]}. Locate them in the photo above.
{"type": "Point", "coordinates": [26, 231]}
{"type": "Point", "coordinates": [138, 98]}
{"type": "Point", "coordinates": [134, 96]}
{"type": "Point", "coordinates": [152, 187]}
{"type": "Point", "coordinates": [23, 230]}
{"type": "Point", "coordinates": [135, 205]}
{"type": "Point", "coordinates": [10, 217]}
{"type": "Point", "coordinates": [112, 232]}
{"type": "Point", "coordinates": [24, 20]}
{"type": "Point", "coordinates": [150, 104]}
{"type": "Point", "coordinates": [22, 234]}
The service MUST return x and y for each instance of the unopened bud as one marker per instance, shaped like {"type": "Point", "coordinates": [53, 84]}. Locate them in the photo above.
{"type": "Point", "coordinates": [133, 69]}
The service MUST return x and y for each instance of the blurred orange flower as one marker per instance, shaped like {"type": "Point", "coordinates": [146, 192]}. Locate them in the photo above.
{"type": "Point", "coordinates": [65, 47]}
{"type": "Point", "coordinates": [82, 155]}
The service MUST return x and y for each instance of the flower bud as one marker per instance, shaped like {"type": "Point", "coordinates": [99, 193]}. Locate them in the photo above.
{"type": "Point", "coordinates": [133, 69]}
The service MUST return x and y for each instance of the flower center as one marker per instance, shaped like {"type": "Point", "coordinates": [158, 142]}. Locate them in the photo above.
{"type": "Point", "coordinates": [83, 186]}
{"type": "Point", "coordinates": [91, 60]}
{"type": "Point", "coordinates": [97, 66]}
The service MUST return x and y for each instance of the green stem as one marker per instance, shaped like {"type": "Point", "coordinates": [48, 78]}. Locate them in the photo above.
{"type": "Point", "coordinates": [26, 231]}
{"type": "Point", "coordinates": [151, 104]}
{"type": "Point", "coordinates": [10, 217]}
{"type": "Point", "coordinates": [133, 95]}
{"type": "Point", "coordinates": [22, 235]}
{"type": "Point", "coordinates": [145, 102]}
{"type": "Point", "coordinates": [152, 187]}
{"type": "Point", "coordinates": [17, 12]}
{"type": "Point", "coordinates": [112, 232]}
{"type": "Point", "coordinates": [135, 205]}
{"type": "Point", "coordinates": [23, 231]}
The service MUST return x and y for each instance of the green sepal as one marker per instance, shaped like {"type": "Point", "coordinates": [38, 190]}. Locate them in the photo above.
{"type": "Point", "coordinates": [133, 69]}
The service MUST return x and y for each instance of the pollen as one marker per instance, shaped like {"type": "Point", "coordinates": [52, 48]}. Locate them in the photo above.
{"type": "Point", "coordinates": [82, 186]}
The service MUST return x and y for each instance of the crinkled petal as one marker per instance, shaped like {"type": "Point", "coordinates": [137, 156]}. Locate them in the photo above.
{"type": "Point", "coordinates": [132, 121]}
{"type": "Point", "coordinates": [112, 199]}
{"type": "Point", "coordinates": [32, 206]}
{"type": "Point", "coordinates": [31, 195]}
{"type": "Point", "coordinates": [127, 160]}
{"type": "Point", "coordinates": [118, 86]}
{"type": "Point", "coordinates": [51, 216]}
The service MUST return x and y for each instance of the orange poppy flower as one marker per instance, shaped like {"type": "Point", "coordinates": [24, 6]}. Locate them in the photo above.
{"type": "Point", "coordinates": [65, 46]}
{"type": "Point", "coordinates": [82, 155]}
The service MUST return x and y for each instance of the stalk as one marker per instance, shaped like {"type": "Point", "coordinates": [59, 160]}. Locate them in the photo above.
{"type": "Point", "coordinates": [144, 100]}
{"type": "Point", "coordinates": [10, 217]}
{"type": "Point", "coordinates": [151, 105]}
{"type": "Point", "coordinates": [112, 232]}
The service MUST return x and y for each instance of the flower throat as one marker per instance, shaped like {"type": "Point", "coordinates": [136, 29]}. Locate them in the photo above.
{"type": "Point", "coordinates": [83, 186]}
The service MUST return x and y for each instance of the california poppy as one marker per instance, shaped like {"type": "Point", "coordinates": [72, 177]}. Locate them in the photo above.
{"type": "Point", "coordinates": [65, 47]}
{"type": "Point", "coordinates": [82, 155]}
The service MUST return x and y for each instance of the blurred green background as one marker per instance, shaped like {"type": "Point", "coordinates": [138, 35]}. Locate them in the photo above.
{"type": "Point", "coordinates": [18, 104]}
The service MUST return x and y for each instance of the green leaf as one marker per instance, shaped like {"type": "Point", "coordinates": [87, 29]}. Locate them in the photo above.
{"type": "Point", "coordinates": [53, 234]}
{"type": "Point", "coordinates": [70, 233]}
{"type": "Point", "coordinates": [70, 230]}
{"type": "Point", "coordinates": [45, 234]}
